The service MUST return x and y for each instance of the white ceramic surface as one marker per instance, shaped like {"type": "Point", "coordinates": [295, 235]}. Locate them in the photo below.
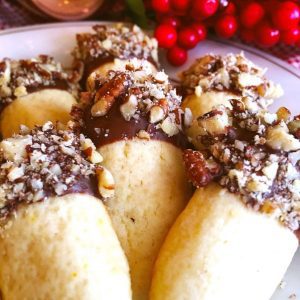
{"type": "Point", "coordinates": [58, 40]}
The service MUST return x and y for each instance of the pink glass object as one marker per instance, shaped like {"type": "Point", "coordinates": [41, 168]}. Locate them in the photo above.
{"type": "Point", "coordinates": [68, 9]}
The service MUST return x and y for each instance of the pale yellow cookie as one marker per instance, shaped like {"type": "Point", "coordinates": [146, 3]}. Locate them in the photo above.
{"type": "Point", "coordinates": [33, 92]}
{"type": "Point", "coordinates": [220, 249]}
{"type": "Point", "coordinates": [151, 191]}
{"type": "Point", "coordinates": [36, 109]}
{"type": "Point", "coordinates": [214, 80]}
{"type": "Point", "coordinates": [63, 248]}
{"type": "Point", "coordinates": [56, 237]}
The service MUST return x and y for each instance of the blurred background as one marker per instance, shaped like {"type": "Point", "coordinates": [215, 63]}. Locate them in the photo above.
{"type": "Point", "coordinates": [178, 25]}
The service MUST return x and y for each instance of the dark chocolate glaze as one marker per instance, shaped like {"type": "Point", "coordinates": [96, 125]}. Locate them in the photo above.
{"type": "Point", "coordinates": [84, 185]}
{"type": "Point", "coordinates": [60, 84]}
{"type": "Point", "coordinates": [113, 127]}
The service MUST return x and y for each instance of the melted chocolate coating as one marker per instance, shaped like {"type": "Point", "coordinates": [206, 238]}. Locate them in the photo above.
{"type": "Point", "coordinates": [92, 64]}
{"type": "Point", "coordinates": [85, 186]}
{"type": "Point", "coordinates": [113, 127]}
{"type": "Point", "coordinates": [59, 84]}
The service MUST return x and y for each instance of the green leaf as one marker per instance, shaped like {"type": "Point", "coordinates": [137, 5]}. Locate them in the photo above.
{"type": "Point", "coordinates": [138, 13]}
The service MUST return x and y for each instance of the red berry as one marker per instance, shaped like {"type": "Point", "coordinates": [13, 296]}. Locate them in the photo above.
{"type": "Point", "coordinates": [166, 35]}
{"type": "Point", "coordinates": [162, 6]}
{"type": "Point", "coordinates": [266, 35]}
{"type": "Point", "coordinates": [188, 38]}
{"type": "Point", "coordinates": [226, 26]}
{"type": "Point", "coordinates": [252, 14]}
{"type": "Point", "coordinates": [203, 9]}
{"type": "Point", "coordinates": [180, 5]}
{"type": "Point", "coordinates": [247, 35]}
{"type": "Point", "coordinates": [290, 37]}
{"type": "Point", "coordinates": [230, 9]}
{"type": "Point", "coordinates": [286, 15]}
{"type": "Point", "coordinates": [201, 31]}
{"type": "Point", "coordinates": [177, 56]}
{"type": "Point", "coordinates": [171, 20]}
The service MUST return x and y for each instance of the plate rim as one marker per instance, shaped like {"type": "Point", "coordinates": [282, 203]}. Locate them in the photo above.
{"type": "Point", "coordinates": [269, 57]}
{"type": "Point", "coordinates": [242, 47]}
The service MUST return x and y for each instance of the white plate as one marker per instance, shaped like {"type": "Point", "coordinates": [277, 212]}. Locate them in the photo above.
{"type": "Point", "coordinates": [58, 40]}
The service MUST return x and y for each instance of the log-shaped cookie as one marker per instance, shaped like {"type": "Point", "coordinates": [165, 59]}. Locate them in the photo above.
{"type": "Point", "coordinates": [109, 47]}
{"type": "Point", "coordinates": [56, 237]}
{"type": "Point", "coordinates": [214, 79]}
{"type": "Point", "coordinates": [32, 92]}
{"type": "Point", "coordinates": [236, 237]}
{"type": "Point", "coordinates": [134, 120]}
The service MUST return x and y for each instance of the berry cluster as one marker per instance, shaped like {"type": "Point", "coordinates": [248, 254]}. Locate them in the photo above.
{"type": "Point", "coordinates": [182, 24]}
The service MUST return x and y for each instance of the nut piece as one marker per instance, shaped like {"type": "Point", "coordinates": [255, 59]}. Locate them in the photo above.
{"type": "Point", "coordinates": [215, 122]}
{"type": "Point", "coordinates": [144, 135]}
{"type": "Point", "coordinates": [14, 149]}
{"type": "Point", "coordinates": [169, 127]}
{"type": "Point", "coordinates": [6, 73]}
{"type": "Point", "coordinates": [258, 184]}
{"type": "Point", "coordinates": [246, 79]}
{"type": "Point", "coordinates": [250, 104]}
{"type": "Point", "coordinates": [278, 138]}
{"type": "Point", "coordinates": [101, 107]}
{"type": "Point", "coordinates": [160, 77]}
{"type": "Point", "coordinates": [157, 113]}
{"type": "Point", "coordinates": [15, 173]}
{"type": "Point", "coordinates": [20, 91]}
{"type": "Point", "coordinates": [95, 157]}
{"type": "Point", "coordinates": [106, 183]}
{"type": "Point", "coordinates": [129, 108]}
{"type": "Point", "coordinates": [294, 126]}
{"type": "Point", "coordinates": [106, 96]}
{"type": "Point", "coordinates": [273, 91]}
{"type": "Point", "coordinates": [270, 118]}
{"type": "Point", "coordinates": [90, 150]}
{"type": "Point", "coordinates": [238, 176]}
{"type": "Point", "coordinates": [283, 114]}
{"type": "Point", "coordinates": [271, 170]}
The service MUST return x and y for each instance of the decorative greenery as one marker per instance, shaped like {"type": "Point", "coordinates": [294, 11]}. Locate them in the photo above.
{"type": "Point", "coordinates": [137, 11]}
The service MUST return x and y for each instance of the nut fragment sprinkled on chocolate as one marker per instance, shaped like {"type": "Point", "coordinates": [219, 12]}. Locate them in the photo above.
{"type": "Point", "coordinates": [136, 98]}
{"type": "Point", "coordinates": [260, 161]}
{"type": "Point", "coordinates": [232, 73]}
{"type": "Point", "coordinates": [49, 162]}
{"type": "Point", "coordinates": [21, 77]}
{"type": "Point", "coordinates": [119, 41]}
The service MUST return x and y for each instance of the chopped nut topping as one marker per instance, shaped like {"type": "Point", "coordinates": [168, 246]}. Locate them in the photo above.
{"type": "Point", "coordinates": [117, 41]}
{"type": "Point", "coordinates": [139, 93]}
{"type": "Point", "coordinates": [20, 77]}
{"type": "Point", "coordinates": [232, 73]}
{"type": "Point", "coordinates": [47, 162]}
{"type": "Point", "coordinates": [257, 157]}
